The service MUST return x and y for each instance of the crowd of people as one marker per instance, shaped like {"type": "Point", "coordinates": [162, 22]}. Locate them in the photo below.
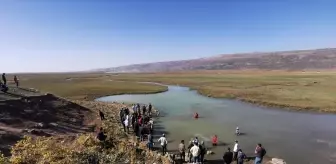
{"type": "Point", "coordinates": [141, 122]}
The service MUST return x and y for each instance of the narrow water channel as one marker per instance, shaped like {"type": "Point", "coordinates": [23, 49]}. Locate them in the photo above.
{"type": "Point", "coordinates": [299, 138]}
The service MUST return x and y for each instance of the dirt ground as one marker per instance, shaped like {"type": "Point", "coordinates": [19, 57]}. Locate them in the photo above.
{"type": "Point", "coordinates": [44, 115]}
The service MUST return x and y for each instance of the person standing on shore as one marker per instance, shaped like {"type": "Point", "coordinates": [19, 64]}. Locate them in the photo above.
{"type": "Point", "coordinates": [203, 152]}
{"type": "Point", "coordinates": [150, 142]}
{"type": "Point", "coordinates": [191, 144]}
{"type": "Point", "coordinates": [144, 110]}
{"type": "Point", "coordinates": [260, 153]}
{"type": "Point", "coordinates": [241, 156]}
{"type": "Point", "coordinates": [235, 150]}
{"type": "Point", "coordinates": [195, 152]}
{"type": "Point", "coordinates": [228, 156]}
{"type": "Point", "coordinates": [16, 80]}
{"type": "Point", "coordinates": [4, 79]}
{"type": "Point", "coordinates": [163, 142]}
{"type": "Point", "coordinates": [126, 124]}
{"type": "Point", "coordinates": [182, 151]}
{"type": "Point", "coordinates": [150, 109]}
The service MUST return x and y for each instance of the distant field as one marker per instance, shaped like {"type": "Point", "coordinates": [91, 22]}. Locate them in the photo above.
{"type": "Point", "coordinates": [84, 86]}
{"type": "Point", "coordinates": [311, 90]}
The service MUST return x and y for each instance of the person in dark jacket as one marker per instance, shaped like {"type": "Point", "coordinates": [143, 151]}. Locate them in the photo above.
{"type": "Point", "coordinates": [137, 129]}
{"type": "Point", "coordinates": [122, 115]}
{"type": "Point", "coordinates": [144, 110]}
{"type": "Point", "coordinates": [150, 109]}
{"type": "Point", "coordinates": [102, 116]}
{"type": "Point", "coordinates": [228, 156]}
{"type": "Point", "coordinates": [101, 136]}
{"type": "Point", "coordinates": [203, 152]}
{"type": "Point", "coordinates": [4, 79]}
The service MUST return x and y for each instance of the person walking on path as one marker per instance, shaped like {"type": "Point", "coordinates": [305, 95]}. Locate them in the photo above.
{"type": "Point", "coordinates": [235, 150]}
{"type": "Point", "coordinates": [182, 150]}
{"type": "Point", "coordinates": [163, 142]}
{"type": "Point", "coordinates": [195, 152]}
{"type": "Point", "coordinates": [228, 156]}
{"type": "Point", "coordinates": [4, 79]}
{"type": "Point", "coordinates": [16, 80]}
{"type": "Point", "coordinates": [241, 157]}
{"type": "Point", "coordinates": [260, 153]}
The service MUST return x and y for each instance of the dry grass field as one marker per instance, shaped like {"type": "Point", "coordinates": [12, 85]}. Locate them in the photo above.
{"type": "Point", "coordinates": [299, 90]}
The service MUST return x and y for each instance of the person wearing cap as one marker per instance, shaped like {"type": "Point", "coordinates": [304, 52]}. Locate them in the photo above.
{"type": "Point", "coordinates": [227, 157]}
{"type": "Point", "coordinates": [235, 150]}
{"type": "Point", "coordinates": [163, 142]}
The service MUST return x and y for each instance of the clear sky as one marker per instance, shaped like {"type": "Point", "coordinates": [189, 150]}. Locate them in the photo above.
{"type": "Point", "coordinates": [70, 35]}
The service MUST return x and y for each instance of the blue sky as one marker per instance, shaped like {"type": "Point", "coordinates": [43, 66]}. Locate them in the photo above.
{"type": "Point", "coordinates": [70, 35]}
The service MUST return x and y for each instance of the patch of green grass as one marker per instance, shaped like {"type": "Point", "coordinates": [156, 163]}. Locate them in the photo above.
{"type": "Point", "coordinates": [85, 86]}
{"type": "Point", "coordinates": [311, 90]}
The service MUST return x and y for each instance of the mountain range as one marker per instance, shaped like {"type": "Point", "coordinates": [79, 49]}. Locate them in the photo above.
{"type": "Point", "coordinates": [281, 60]}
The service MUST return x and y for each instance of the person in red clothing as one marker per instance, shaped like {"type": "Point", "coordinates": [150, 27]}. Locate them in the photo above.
{"type": "Point", "coordinates": [214, 140]}
{"type": "Point", "coordinates": [196, 115]}
{"type": "Point", "coordinates": [140, 120]}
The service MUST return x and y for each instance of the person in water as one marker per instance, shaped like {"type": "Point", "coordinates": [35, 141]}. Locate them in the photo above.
{"type": "Point", "coordinates": [237, 131]}
{"type": "Point", "coordinates": [214, 140]}
{"type": "Point", "coordinates": [196, 115]}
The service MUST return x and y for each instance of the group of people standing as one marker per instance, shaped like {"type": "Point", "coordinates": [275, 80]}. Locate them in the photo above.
{"type": "Point", "coordinates": [3, 83]}
{"type": "Point", "coordinates": [239, 156]}
{"type": "Point", "coordinates": [140, 120]}
{"type": "Point", "coordinates": [196, 151]}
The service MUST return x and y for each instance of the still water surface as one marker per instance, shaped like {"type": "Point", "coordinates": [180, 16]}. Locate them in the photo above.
{"type": "Point", "coordinates": [299, 138]}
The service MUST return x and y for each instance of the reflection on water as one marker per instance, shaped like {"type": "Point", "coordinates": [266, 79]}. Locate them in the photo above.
{"type": "Point", "coordinates": [300, 138]}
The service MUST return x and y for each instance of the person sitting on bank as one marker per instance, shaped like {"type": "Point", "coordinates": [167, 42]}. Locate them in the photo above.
{"type": "Point", "coordinates": [101, 136]}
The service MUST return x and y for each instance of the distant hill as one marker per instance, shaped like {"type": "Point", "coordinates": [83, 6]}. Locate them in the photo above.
{"type": "Point", "coordinates": [284, 60]}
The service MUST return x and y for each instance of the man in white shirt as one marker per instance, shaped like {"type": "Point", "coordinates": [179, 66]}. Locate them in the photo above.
{"type": "Point", "coordinates": [163, 142]}
{"type": "Point", "coordinates": [195, 152]}
{"type": "Point", "coordinates": [235, 150]}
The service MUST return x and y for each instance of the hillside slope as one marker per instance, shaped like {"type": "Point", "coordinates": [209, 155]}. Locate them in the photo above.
{"type": "Point", "coordinates": [284, 60]}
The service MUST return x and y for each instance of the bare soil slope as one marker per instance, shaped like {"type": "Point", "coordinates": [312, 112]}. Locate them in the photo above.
{"type": "Point", "coordinates": [44, 115]}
